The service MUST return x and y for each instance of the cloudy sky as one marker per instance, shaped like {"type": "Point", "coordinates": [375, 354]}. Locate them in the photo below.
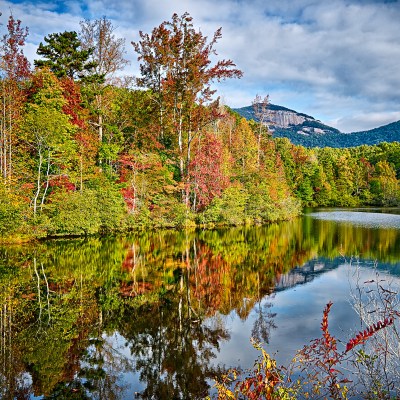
{"type": "Point", "coordinates": [337, 60]}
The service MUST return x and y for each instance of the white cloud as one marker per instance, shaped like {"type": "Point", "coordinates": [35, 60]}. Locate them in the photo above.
{"type": "Point", "coordinates": [365, 121]}
{"type": "Point", "coordinates": [337, 59]}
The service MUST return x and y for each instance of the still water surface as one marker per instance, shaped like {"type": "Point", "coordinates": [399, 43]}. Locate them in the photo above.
{"type": "Point", "coordinates": [159, 315]}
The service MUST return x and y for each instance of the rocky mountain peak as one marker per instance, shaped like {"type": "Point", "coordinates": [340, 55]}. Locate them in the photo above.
{"type": "Point", "coordinates": [307, 131]}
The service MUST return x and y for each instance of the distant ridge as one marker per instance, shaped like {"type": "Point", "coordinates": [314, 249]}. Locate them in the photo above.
{"type": "Point", "coordinates": [305, 130]}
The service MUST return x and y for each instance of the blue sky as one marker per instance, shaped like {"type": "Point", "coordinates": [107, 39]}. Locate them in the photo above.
{"type": "Point", "coordinates": [337, 60]}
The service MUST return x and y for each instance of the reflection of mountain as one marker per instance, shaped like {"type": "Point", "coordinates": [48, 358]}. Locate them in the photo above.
{"type": "Point", "coordinates": [306, 273]}
{"type": "Point", "coordinates": [314, 268]}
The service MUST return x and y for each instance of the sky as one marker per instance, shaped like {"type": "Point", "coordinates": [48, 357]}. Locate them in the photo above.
{"type": "Point", "coordinates": [336, 60]}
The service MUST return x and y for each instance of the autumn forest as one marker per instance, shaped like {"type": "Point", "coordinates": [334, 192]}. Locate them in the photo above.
{"type": "Point", "coordinates": [85, 150]}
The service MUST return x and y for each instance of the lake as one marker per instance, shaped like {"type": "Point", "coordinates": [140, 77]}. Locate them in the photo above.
{"type": "Point", "coordinates": [160, 314]}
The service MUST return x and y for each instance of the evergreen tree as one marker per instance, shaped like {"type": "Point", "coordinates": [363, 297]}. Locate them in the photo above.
{"type": "Point", "coordinates": [64, 55]}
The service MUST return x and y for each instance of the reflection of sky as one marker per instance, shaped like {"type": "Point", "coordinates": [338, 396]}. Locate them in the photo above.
{"type": "Point", "coordinates": [298, 319]}
{"type": "Point", "coordinates": [117, 348]}
{"type": "Point", "coordinates": [129, 380]}
{"type": "Point", "coordinates": [359, 218]}
{"type": "Point", "coordinates": [299, 314]}
{"type": "Point", "coordinates": [298, 308]}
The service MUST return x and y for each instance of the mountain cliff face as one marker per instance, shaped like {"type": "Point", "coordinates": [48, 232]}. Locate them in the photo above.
{"type": "Point", "coordinates": [279, 118]}
{"type": "Point", "coordinates": [284, 118]}
{"type": "Point", "coordinates": [307, 131]}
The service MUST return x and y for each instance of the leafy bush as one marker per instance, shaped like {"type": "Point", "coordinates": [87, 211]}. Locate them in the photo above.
{"type": "Point", "coordinates": [85, 213]}
{"type": "Point", "coordinates": [321, 364]}
{"type": "Point", "coordinates": [11, 213]}
{"type": "Point", "coordinates": [74, 213]}
{"type": "Point", "coordinates": [233, 205]}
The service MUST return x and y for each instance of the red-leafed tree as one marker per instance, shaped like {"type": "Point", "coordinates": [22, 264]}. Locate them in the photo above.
{"type": "Point", "coordinates": [86, 139]}
{"type": "Point", "coordinates": [206, 178]}
{"type": "Point", "coordinates": [15, 69]}
{"type": "Point", "coordinates": [14, 64]}
{"type": "Point", "coordinates": [175, 63]}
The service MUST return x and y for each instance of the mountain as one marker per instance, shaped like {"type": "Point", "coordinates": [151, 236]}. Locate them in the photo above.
{"type": "Point", "coordinates": [307, 131]}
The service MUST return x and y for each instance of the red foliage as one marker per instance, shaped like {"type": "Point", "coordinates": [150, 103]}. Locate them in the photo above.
{"type": "Point", "coordinates": [135, 289]}
{"type": "Point", "coordinates": [361, 337]}
{"type": "Point", "coordinates": [369, 168]}
{"type": "Point", "coordinates": [129, 197]}
{"type": "Point", "coordinates": [207, 281]}
{"type": "Point", "coordinates": [321, 359]}
{"type": "Point", "coordinates": [129, 163]}
{"type": "Point", "coordinates": [128, 166]}
{"type": "Point", "coordinates": [330, 341]}
{"type": "Point", "coordinates": [205, 172]}
{"type": "Point", "coordinates": [15, 63]}
{"type": "Point", "coordinates": [73, 106]}
{"type": "Point", "coordinates": [62, 182]}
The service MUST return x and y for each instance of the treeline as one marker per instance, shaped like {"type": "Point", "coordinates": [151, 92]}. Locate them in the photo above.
{"type": "Point", "coordinates": [387, 133]}
{"type": "Point", "coordinates": [83, 151]}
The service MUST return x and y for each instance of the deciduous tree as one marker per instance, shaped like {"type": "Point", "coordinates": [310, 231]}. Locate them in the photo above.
{"type": "Point", "coordinates": [47, 133]}
{"type": "Point", "coordinates": [175, 63]}
{"type": "Point", "coordinates": [205, 172]}
{"type": "Point", "coordinates": [15, 69]}
{"type": "Point", "coordinates": [107, 54]}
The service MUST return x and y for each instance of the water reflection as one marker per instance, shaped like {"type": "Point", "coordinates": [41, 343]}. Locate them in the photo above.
{"type": "Point", "coordinates": [360, 218]}
{"type": "Point", "coordinates": [158, 315]}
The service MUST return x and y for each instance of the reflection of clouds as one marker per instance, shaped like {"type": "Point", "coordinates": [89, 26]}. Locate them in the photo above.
{"type": "Point", "coordinates": [363, 219]}
{"type": "Point", "coordinates": [298, 316]}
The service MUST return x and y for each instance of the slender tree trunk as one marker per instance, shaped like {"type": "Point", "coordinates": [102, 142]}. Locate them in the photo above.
{"type": "Point", "coordinates": [259, 148]}
{"type": "Point", "coordinates": [38, 289]}
{"type": "Point", "coordinates": [100, 128]}
{"type": "Point", "coordinates": [4, 134]}
{"type": "Point", "coordinates": [81, 173]}
{"type": "Point", "coordinates": [180, 143]}
{"type": "Point", "coordinates": [10, 126]}
{"type": "Point", "coordinates": [38, 183]}
{"type": "Point", "coordinates": [47, 181]}
{"type": "Point", "coordinates": [99, 101]}
{"type": "Point", "coordinates": [47, 293]}
{"type": "Point", "coordinates": [161, 120]}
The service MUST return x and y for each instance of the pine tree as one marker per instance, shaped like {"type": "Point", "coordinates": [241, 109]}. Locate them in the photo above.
{"type": "Point", "coordinates": [64, 56]}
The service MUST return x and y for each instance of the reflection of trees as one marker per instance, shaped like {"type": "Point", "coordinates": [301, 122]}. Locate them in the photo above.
{"type": "Point", "coordinates": [59, 300]}
{"type": "Point", "coordinates": [206, 276]}
{"type": "Point", "coordinates": [171, 346]}
{"type": "Point", "coordinates": [47, 315]}
{"type": "Point", "coordinates": [382, 244]}
{"type": "Point", "coordinates": [264, 321]}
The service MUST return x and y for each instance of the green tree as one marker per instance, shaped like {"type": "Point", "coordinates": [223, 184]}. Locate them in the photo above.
{"type": "Point", "coordinates": [47, 134]}
{"type": "Point", "coordinates": [244, 150]}
{"type": "Point", "coordinates": [64, 55]}
{"type": "Point", "coordinates": [107, 55]}
{"type": "Point", "coordinates": [385, 186]}
{"type": "Point", "coordinates": [11, 212]}
{"type": "Point", "coordinates": [345, 180]}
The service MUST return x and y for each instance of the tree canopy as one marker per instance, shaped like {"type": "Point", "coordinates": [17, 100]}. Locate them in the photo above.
{"type": "Point", "coordinates": [64, 55]}
{"type": "Point", "coordinates": [81, 156]}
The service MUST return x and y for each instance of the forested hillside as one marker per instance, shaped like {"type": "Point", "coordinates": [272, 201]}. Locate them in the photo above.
{"type": "Point", "coordinates": [83, 151]}
{"type": "Point", "coordinates": [306, 131]}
